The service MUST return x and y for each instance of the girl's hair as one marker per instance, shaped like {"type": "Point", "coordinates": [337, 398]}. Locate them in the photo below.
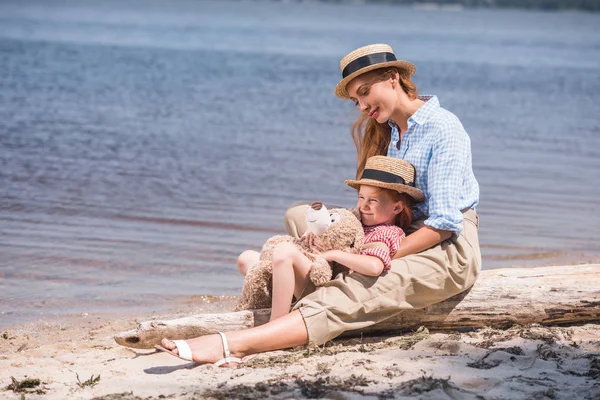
{"type": "Point", "coordinates": [404, 219]}
{"type": "Point", "coordinates": [374, 139]}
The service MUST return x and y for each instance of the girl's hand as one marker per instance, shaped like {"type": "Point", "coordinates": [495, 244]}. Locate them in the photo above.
{"type": "Point", "coordinates": [330, 255]}
{"type": "Point", "coordinates": [308, 238]}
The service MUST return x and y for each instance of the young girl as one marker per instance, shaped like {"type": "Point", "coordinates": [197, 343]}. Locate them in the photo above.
{"type": "Point", "coordinates": [385, 195]}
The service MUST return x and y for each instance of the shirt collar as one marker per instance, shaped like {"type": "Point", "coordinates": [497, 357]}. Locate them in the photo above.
{"type": "Point", "coordinates": [423, 113]}
{"type": "Point", "coordinates": [370, 227]}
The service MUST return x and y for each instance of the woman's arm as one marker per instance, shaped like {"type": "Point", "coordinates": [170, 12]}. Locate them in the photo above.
{"type": "Point", "coordinates": [363, 264]}
{"type": "Point", "coordinates": [422, 239]}
{"type": "Point", "coordinates": [450, 157]}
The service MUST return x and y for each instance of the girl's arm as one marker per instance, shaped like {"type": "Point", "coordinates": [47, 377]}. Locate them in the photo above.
{"type": "Point", "coordinates": [422, 239]}
{"type": "Point", "coordinates": [363, 264]}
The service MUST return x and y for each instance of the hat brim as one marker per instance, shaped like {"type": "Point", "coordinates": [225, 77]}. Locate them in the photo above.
{"type": "Point", "coordinates": [413, 192]}
{"type": "Point", "coordinates": [340, 89]}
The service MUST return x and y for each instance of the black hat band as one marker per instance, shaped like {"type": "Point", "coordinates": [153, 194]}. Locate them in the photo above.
{"type": "Point", "coordinates": [368, 60]}
{"type": "Point", "coordinates": [385, 177]}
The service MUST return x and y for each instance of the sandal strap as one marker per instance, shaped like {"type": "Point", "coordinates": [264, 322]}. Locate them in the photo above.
{"type": "Point", "coordinates": [227, 354]}
{"type": "Point", "coordinates": [227, 360]}
{"type": "Point", "coordinates": [226, 351]}
{"type": "Point", "coordinates": [183, 349]}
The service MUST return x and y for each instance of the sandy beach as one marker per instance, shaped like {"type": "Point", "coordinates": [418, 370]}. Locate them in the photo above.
{"type": "Point", "coordinates": [145, 144]}
{"type": "Point", "coordinates": [77, 358]}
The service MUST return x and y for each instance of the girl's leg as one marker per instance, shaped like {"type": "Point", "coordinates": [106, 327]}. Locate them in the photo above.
{"type": "Point", "coordinates": [290, 277]}
{"type": "Point", "coordinates": [287, 331]}
{"type": "Point", "coordinates": [247, 259]}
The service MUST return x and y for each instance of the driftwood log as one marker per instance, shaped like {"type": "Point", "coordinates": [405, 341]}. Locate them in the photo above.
{"type": "Point", "coordinates": [500, 298]}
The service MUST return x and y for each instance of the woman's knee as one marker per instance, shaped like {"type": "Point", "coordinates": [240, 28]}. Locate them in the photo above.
{"type": "Point", "coordinates": [247, 259]}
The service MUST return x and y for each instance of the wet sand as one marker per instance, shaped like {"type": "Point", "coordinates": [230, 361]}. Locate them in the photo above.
{"type": "Point", "coordinates": [523, 362]}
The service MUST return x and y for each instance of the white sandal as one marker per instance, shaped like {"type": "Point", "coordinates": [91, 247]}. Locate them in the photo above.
{"type": "Point", "coordinates": [185, 352]}
{"type": "Point", "coordinates": [227, 359]}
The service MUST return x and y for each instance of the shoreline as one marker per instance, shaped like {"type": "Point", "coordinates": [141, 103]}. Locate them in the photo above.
{"type": "Point", "coordinates": [76, 357]}
{"type": "Point", "coordinates": [167, 303]}
{"type": "Point", "coordinates": [172, 305]}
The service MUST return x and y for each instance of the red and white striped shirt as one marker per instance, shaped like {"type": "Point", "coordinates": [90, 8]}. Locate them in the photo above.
{"type": "Point", "coordinates": [389, 234]}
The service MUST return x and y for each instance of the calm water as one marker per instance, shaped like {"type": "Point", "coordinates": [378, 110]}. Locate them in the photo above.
{"type": "Point", "coordinates": [143, 145]}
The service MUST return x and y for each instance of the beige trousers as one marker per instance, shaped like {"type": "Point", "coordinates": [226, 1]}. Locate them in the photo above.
{"type": "Point", "coordinates": [355, 301]}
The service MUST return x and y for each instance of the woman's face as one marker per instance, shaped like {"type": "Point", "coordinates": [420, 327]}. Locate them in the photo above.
{"type": "Point", "coordinates": [376, 206]}
{"type": "Point", "coordinates": [376, 100]}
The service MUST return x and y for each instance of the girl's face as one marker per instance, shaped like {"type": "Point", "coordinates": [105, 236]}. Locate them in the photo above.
{"type": "Point", "coordinates": [376, 206]}
{"type": "Point", "coordinates": [376, 100]}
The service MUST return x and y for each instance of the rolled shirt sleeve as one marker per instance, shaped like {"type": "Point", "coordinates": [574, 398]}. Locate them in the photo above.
{"type": "Point", "coordinates": [382, 254]}
{"type": "Point", "coordinates": [391, 236]}
{"type": "Point", "coordinates": [450, 155]}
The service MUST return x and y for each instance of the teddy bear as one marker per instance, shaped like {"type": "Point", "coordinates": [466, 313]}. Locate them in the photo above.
{"type": "Point", "coordinates": [335, 229]}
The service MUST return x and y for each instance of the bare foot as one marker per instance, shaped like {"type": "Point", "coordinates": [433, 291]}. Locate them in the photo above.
{"type": "Point", "coordinates": [205, 349]}
{"type": "Point", "coordinates": [246, 260]}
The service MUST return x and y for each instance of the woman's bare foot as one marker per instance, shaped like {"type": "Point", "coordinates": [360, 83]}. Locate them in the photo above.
{"type": "Point", "coordinates": [205, 349]}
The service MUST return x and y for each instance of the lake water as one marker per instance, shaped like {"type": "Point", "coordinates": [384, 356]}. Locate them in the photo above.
{"type": "Point", "coordinates": [144, 144]}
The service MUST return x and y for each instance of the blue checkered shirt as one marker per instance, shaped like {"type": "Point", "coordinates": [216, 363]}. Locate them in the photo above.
{"type": "Point", "coordinates": [440, 150]}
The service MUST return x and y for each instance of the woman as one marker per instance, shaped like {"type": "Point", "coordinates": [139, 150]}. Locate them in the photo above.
{"type": "Point", "coordinates": [438, 259]}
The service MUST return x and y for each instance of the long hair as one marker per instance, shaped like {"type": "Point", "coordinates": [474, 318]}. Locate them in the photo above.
{"type": "Point", "coordinates": [374, 138]}
{"type": "Point", "coordinates": [404, 219]}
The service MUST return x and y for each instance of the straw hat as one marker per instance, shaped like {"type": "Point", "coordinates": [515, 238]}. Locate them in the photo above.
{"type": "Point", "coordinates": [366, 59]}
{"type": "Point", "coordinates": [389, 173]}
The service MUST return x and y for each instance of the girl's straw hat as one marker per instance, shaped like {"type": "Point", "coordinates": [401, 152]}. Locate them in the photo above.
{"type": "Point", "coordinates": [389, 173]}
{"type": "Point", "coordinates": [366, 59]}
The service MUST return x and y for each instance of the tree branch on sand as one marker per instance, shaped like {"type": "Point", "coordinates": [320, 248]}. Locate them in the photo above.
{"type": "Point", "coordinates": [501, 298]}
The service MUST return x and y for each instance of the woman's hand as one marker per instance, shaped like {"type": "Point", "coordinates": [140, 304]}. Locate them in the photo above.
{"type": "Point", "coordinates": [422, 239]}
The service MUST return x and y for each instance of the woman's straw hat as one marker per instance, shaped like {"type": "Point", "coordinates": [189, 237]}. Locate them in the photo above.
{"type": "Point", "coordinates": [366, 59]}
{"type": "Point", "coordinates": [389, 173]}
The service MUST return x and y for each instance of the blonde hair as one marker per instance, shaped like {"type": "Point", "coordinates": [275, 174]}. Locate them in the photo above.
{"type": "Point", "coordinates": [374, 138]}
